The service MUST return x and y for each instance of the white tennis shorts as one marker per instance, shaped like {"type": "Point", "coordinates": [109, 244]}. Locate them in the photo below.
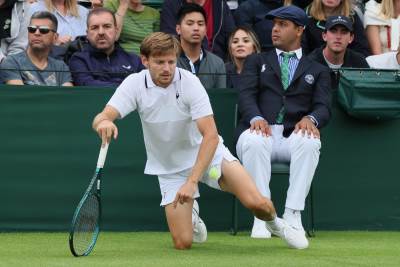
{"type": "Point", "coordinates": [171, 183]}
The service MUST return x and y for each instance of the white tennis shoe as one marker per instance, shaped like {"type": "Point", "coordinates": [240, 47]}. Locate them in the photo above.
{"type": "Point", "coordinates": [259, 229]}
{"type": "Point", "coordinates": [199, 227]}
{"type": "Point", "coordinates": [294, 238]}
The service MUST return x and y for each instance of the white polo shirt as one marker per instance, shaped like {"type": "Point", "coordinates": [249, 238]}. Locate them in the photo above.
{"type": "Point", "coordinates": [168, 116]}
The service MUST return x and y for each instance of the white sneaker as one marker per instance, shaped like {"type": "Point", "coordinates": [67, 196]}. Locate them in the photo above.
{"type": "Point", "coordinates": [259, 229]}
{"type": "Point", "coordinates": [199, 227]}
{"type": "Point", "coordinates": [293, 237]}
{"type": "Point", "coordinates": [293, 218]}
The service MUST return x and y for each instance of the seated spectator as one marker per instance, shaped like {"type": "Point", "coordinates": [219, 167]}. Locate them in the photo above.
{"type": "Point", "coordinates": [103, 62]}
{"type": "Point", "coordinates": [319, 10]}
{"type": "Point", "coordinates": [134, 21]}
{"type": "Point", "coordinates": [191, 29]}
{"type": "Point", "coordinates": [382, 24]}
{"type": "Point", "coordinates": [34, 66]}
{"type": "Point", "coordinates": [252, 14]}
{"type": "Point", "coordinates": [219, 20]}
{"type": "Point", "coordinates": [284, 101]}
{"type": "Point", "coordinates": [242, 42]}
{"type": "Point", "coordinates": [14, 36]}
{"type": "Point", "coordinates": [389, 60]}
{"type": "Point", "coordinates": [338, 35]}
{"type": "Point", "coordinates": [71, 18]}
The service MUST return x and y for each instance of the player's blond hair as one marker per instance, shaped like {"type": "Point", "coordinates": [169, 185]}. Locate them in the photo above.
{"type": "Point", "coordinates": [159, 43]}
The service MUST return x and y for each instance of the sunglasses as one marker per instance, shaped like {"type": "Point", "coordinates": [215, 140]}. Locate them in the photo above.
{"type": "Point", "coordinates": [42, 29]}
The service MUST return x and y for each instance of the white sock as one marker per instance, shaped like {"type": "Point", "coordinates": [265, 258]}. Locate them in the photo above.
{"type": "Point", "coordinates": [258, 221]}
{"type": "Point", "coordinates": [276, 224]}
{"type": "Point", "coordinates": [293, 217]}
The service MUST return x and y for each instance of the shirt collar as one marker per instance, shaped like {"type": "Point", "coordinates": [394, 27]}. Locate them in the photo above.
{"type": "Point", "coordinates": [299, 52]}
{"type": "Point", "coordinates": [149, 81]}
{"type": "Point", "coordinates": [203, 54]}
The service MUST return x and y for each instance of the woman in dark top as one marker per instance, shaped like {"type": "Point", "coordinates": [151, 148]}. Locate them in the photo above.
{"type": "Point", "coordinates": [242, 42]}
{"type": "Point", "coordinates": [319, 10]}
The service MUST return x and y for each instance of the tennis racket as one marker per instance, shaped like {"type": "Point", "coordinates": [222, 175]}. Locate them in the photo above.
{"type": "Point", "coordinates": [85, 225]}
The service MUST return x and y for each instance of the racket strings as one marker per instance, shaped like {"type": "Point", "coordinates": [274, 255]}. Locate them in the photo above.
{"type": "Point", "coordinates": [86, 226]}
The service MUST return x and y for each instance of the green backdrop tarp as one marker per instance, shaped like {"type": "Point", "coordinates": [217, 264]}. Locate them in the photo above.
{"type": "Point", "coordinates": [370, 94]}
{"type": "Point", "coordinates": [49, 151]}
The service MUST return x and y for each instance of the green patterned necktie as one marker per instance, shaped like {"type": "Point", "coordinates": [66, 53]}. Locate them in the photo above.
{"type": "Point", "coordinates": [285, 75]}
{"type": "Point", "coordinates": [285, 68]}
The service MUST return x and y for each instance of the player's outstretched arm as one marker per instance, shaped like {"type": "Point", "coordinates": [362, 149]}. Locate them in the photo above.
{"type": "Point", "coordinates": [104, 125]}
{"type": "Point", "coordinates": [208, 130]}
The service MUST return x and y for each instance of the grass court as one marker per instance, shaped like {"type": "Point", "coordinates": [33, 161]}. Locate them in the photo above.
{"type": "Point", "coordinates": [331, 248]}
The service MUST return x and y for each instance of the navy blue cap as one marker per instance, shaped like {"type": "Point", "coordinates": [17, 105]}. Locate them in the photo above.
{"type": "Point", "coordinates": [292, 13]}
{"type": "Point", "coordinates": [332, 21]}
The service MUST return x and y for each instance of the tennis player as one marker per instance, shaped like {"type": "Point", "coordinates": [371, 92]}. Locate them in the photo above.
{"type": "Point", "coordinates": [182, 143]}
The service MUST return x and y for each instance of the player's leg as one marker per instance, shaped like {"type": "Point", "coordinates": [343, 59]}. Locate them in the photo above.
{"type": "Point", "coordinates": [254, 151]}
{"type": "Point", "coordinates": [304, 157]}
{"type": "Point", "coordinates": [179, 220]}
{"type": "Point", "coordinates": [184, 222]}
{"type": "Point", "coordinates": [236, 180]}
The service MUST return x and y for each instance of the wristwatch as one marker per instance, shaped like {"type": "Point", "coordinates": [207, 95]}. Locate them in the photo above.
{"type": "Point", "coordinates": [313, 120]}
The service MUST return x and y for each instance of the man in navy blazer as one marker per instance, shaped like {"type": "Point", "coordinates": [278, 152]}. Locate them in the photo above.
{"type": "Point", "coordinates": [284, 100]}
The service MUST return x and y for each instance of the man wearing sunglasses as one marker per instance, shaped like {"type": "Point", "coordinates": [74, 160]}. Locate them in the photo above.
{"type": "Point", "coordinates": [34, 66]}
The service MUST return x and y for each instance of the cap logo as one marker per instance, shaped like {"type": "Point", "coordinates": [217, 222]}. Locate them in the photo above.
{"type": "Point", "coordinates": [339, 19]}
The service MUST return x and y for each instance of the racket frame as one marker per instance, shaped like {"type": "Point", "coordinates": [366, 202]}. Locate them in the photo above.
{"type": "Point", "coordinates": [95, 181]}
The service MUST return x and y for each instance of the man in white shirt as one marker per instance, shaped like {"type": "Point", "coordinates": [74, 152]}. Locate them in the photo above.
{"type": "Point", "coordinates": [182, 143]}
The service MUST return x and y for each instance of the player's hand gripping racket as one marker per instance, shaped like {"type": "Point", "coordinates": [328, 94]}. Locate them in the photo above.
{"type": "Point", "coordinates": [85, 223]}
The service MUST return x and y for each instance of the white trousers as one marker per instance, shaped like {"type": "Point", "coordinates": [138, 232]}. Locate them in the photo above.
{"type": "Point", "coordinates": [257, 152]}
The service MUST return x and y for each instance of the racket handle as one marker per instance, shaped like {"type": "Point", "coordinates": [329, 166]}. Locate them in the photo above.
{"type": "Point", "coordinates": [102, 156]}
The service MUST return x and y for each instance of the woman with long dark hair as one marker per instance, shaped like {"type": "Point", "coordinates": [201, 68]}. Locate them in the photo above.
{"type": "Point", "coordinates": [242, 42]}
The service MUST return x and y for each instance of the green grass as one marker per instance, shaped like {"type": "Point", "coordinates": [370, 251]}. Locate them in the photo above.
{"type": "Point", "coordinates": [221, 249]}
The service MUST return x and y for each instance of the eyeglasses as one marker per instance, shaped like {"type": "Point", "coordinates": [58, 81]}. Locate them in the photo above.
{"type": "Point", "coordinates": [42, 29]}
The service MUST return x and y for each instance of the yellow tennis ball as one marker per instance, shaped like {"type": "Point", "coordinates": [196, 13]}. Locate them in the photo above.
{"type": "Point", "coordinates": [214, 173]}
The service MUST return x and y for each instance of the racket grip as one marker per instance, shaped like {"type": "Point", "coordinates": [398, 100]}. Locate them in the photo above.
{"type": "Point", "coordinates": [102, 156]}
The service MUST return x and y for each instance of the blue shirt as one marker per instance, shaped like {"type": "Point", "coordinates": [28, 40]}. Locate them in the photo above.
{"type": "Point", "coordinates": [293, 61]}
{"type": "Point", "coordinates": [67, 25]}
